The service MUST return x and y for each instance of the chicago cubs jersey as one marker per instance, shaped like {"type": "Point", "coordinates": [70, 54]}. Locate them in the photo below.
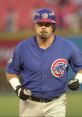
{"type": "Point", "coordinates": [45, 71]}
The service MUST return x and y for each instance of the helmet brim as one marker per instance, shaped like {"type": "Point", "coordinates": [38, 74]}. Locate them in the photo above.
{"type": "Point", "coordinates": [45, 20]}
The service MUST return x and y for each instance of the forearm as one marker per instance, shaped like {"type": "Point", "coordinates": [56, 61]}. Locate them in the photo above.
{"type": "Point", "coordinates": [10, 76]}
{"type": "Point", "coordinates": [13, 80]}
{"type": "Point", "coordinates": [75, 83]}
{"type": "Point", "coordinates": [80, 71]}
{"type": "Point", "coordinates": [79, 76]}
{"type": "Point", "coordinates": [21, 92]}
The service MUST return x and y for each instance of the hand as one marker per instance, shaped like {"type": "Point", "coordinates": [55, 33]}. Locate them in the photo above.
{"type": "Point", "coordinates": [73, 84]}
{"type": "Point", "coordinates": [22, 93]}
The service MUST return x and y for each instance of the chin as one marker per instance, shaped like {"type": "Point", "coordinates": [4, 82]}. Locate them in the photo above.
{"type": "Point", "coordinates": [44, 37]}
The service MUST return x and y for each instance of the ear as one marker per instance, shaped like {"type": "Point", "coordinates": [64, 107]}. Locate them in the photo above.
{"type": "Point", "coordinates": [54, 27]}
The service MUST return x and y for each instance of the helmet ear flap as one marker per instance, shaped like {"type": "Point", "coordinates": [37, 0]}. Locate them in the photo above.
{"type": "Point", "coordinates": [54, 27]}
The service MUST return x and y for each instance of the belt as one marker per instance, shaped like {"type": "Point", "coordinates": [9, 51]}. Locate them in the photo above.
{"type": "Point", "coordinates": [37, 99]}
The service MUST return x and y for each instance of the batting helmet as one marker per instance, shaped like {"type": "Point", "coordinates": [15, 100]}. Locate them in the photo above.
{"type": "Point", "coordinates": [44, 15]}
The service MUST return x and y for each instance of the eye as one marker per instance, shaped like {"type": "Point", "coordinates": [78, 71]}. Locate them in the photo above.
{"type": "Point", "coordinates": [40, 24]}
{"type": "Point", "coordinates": [44, 24]}
{"type": "Point", "coordinates": [48, 24]}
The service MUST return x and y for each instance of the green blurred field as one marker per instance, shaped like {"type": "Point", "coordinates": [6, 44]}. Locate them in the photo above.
{"type": "Point", "coordinates": [9, 105]}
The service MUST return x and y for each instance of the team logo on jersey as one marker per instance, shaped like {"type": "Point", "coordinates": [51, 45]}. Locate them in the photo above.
{"type": "Point", "coordinates": [58, 67]}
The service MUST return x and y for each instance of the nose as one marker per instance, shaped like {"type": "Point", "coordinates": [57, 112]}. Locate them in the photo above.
{"type": "Point", "coordinates": [43, 27]}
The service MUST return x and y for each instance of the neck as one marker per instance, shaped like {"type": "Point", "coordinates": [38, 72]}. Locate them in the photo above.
{"type": "Point", "coordinates": [45, 43]}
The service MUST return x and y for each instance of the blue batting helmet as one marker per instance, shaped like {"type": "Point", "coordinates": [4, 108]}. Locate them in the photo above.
{"type": "Point", "coordinates": [44, 15]}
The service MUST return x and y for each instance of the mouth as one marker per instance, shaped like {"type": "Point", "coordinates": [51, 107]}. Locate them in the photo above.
{"type": "Point", "coordinates": [43, 35]}
{"type": "Point", "coordinates": [43, 32]}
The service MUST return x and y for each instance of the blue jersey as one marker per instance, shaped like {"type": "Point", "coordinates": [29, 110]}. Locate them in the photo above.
{"type": "Point", "coordinates": [45, 71]}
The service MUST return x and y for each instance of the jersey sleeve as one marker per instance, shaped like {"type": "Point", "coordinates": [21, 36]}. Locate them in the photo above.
{"type": "Point", "coordinates": [76, 58]}
{"type": "Point", "coordinates": [14, 64]}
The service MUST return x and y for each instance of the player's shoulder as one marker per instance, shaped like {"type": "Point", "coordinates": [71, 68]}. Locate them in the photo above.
{"type": "Point", "coordinates": [64, 40]}
{"type": "Point", "coordinates": [25, 42]}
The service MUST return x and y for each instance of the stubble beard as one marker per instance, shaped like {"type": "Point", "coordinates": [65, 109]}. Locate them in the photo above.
{"type": "Point", "coordinates": [44, 35]}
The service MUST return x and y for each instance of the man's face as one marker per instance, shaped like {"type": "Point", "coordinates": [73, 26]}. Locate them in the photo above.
{"type": "Point", "coordinates": [43, 29]}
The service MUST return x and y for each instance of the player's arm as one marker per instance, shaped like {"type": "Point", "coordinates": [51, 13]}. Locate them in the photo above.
{"type": "Point", "coordinates": [21, 92]}
{"type": "Point", "coordinates": [75, 83]}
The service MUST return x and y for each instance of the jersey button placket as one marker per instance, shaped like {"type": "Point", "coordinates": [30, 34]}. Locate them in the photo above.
{"type": "Point", "coordinates": [43, 73]}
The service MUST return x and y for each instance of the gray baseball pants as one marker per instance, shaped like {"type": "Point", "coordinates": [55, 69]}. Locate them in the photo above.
{"type": "Point", "coordinates": [55, 108]}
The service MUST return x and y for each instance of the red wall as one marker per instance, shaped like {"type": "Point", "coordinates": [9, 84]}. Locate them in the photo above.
{"type": "Point", "coordinates": [6, 49]}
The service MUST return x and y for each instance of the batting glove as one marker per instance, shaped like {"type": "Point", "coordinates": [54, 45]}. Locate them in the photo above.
{"type": "Point", "coordinates": [73, 84]}
{"type": "Point", "coordinates": [22, 93]}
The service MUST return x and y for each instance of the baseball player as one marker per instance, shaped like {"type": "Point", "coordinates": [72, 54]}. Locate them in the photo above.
{"type": "Point", "coordinates": [38, 69]}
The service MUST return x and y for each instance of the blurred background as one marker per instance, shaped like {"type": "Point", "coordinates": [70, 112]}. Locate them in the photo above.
{"type": "Point", "coordinates": [16, 24]}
